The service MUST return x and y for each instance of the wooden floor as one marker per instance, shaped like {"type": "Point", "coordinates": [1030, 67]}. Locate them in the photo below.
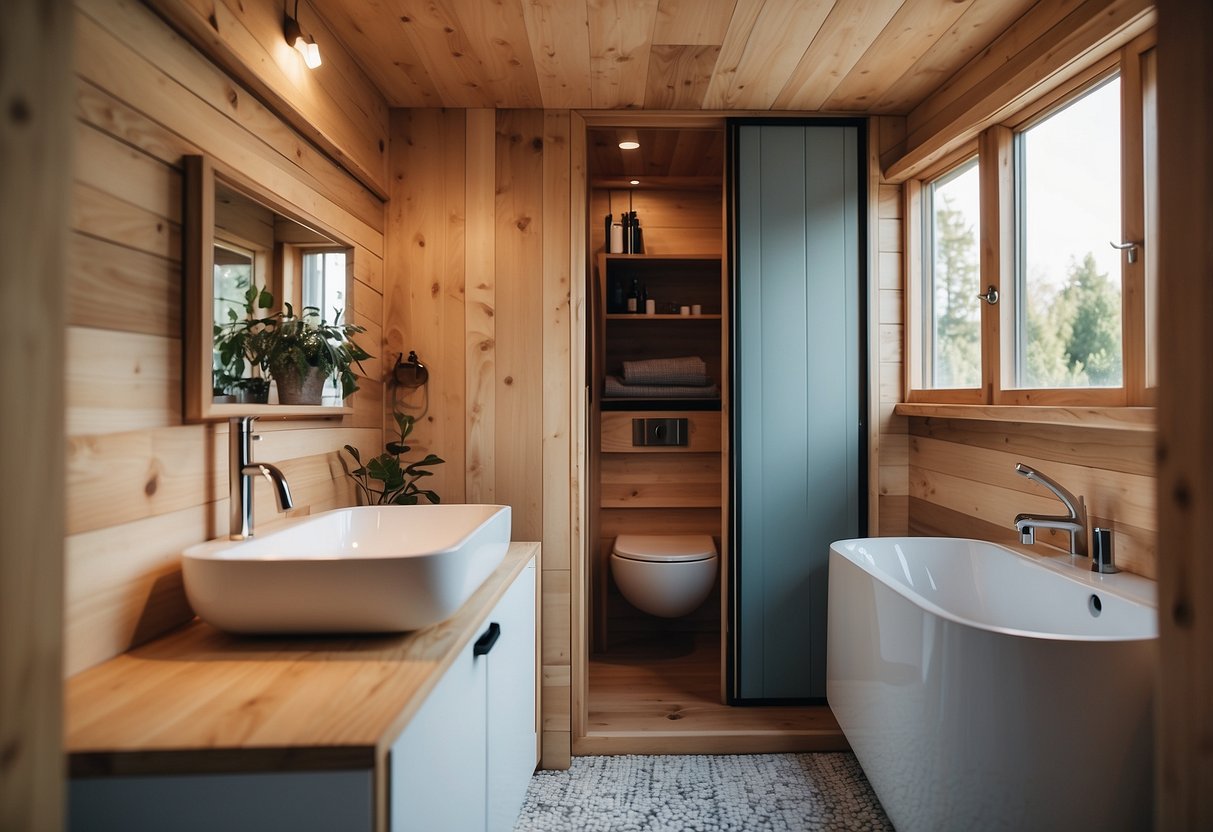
{"type": "Point", "coordinates": [660, 694]}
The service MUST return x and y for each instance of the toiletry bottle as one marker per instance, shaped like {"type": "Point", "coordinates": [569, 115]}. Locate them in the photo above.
{"type": "Point", "coordinates": [616, 239]}
{"type": "Point", "coordinates": [615, 302]}
{"type": "Point", "coordinates": [634, 304]}
{"type": "Point", "coordinates": [637, 235]}
{"type": "Point", "coordinates": [627, 233]}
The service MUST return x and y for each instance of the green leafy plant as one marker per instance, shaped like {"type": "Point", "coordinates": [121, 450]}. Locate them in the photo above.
{"type": "Point", "coordinates": [239, 342]}
{"type": "Point", "coordinates": [299, 343]}
{"type": "Point", "coordinates": [386, 479]}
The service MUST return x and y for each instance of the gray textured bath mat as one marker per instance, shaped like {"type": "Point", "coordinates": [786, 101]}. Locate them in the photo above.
{"type": "Point", "coordinates": [730, 793]}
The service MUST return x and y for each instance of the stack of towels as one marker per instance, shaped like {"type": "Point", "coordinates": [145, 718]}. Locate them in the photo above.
{"type": "Point", "coordinates": [663, 378]}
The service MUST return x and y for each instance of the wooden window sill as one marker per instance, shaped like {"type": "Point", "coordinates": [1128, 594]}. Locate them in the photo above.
{"type": "Point", "coordinates": [1118, 418]}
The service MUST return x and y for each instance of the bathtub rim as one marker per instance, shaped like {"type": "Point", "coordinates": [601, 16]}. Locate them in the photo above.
{"type": "Point", "coordinates": [1132, 589]}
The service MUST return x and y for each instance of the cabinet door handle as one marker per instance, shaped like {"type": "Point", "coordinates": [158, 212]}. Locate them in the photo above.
{"type": "Point", "coordinates": [487, 639]}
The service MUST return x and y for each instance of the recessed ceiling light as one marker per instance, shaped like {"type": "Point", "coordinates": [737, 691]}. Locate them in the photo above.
{"type": "Point", "coordinates": [629, 145]}
{"type": "Point", "coordinates": [634, 182]}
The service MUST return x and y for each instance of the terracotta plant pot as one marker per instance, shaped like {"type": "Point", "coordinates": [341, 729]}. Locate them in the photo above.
{"type": "Point", "coordinates": [293, 389]}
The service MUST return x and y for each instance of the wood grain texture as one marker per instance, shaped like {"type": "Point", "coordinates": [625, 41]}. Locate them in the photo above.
{"type": "Point", "coordinates": [140, 485]}
{"type": "Point", "coordinates": [334, 106]}
{"type": "Point", "coordinates": [201, 690]}
{"type": "Point", "coordinates": [480, 321]}
{"type": "Point", "coordinates": [660, 695]}
{"type": "Point", "coordinates": [840, 43]}
{"type": "Point", "coordinates": [111, 55]}
{"type": "Point", "coordinates": [559, 38]}
{"type": "Point", "coordinates": [693, 22]}
{"type": "Point", "coordinates": [114, 286]}
{"type": "Point", "coordinates": [898, 46]}
{"type": "Point", "coordinates": [745, 55]}
{"type": "Point", "coordinates": [35, 144]}
{"type": "Point", "coordinates": [557, 346]}
{"type": "Point", "coordinates": [981, 22]}
{"type": "Point", "coordinates": [425, 303]}
{"type": "Point", "coordinates": [679, 75]}
{"type": "Point", "coordinates": [620, 32]}
{"type": "Point", "coordinates": [971, 473]}
{"type": "Point", "coordinates": [1119, 418]}
{"type": "Point", "coordinates": [581, 491]}
{"type": "Point", "coordinates": [1184, 767]}
{"type": "Point", "coordinates": [775, 46]}
{"type": "Point", "coordinates": [1031, 58]}
{"type": "Point", "coordinates": [888, 449]}
{"type": "Point", "coordinates": [518, 272]}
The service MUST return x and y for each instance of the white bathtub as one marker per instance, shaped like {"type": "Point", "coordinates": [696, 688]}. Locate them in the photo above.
{"type": "Point", "coordinates": [982, 689]}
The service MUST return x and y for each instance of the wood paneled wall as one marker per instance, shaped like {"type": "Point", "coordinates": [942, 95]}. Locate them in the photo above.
{"type": "Point", "coordinates": [478, 283]}
{"type": "Point", "coordinates": [35, 139]}
{"type": "Point", "coordinates": [336, 106]}
{"type": "Point", "coordinates": [961, 478]}
{"type": "Point", "coordinates": [1052, 42]}
{"type": "Point", "coordinates": [888, 458]}
{"type": "Point", "coordinates": [141, 485]}
{"type": "Point", "coordinates": [1184, 712]}
{"type": "Point", "coordinates": [963, 482]}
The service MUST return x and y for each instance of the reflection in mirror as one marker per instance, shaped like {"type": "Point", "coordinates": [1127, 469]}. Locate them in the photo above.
{"type": "Point", "coordinates": [257, 272]}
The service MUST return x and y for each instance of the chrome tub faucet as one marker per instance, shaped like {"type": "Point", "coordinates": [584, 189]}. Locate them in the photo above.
{"type": "Point", "coordinates": [1075, 523]}
{"type": "Point", "coordinates": [241, 470]}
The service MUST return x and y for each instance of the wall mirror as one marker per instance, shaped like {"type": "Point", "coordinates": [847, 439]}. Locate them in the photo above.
{"type": "Point", "coordinates": [260, 280]}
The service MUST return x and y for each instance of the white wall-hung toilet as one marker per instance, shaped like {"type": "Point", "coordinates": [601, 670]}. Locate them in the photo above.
{"type": "Point", "coordinates": [667, 575]}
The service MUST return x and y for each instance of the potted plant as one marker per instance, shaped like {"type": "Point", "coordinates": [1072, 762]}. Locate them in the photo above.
{"type": "Point", "coordinates": [385, 480]}
{"type": "Point", "coordinates": [238, 364]}
{"type": "Point", "coordinates": [302, 351]}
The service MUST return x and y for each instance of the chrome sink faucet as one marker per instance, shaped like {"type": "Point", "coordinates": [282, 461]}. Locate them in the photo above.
{"type": "Point", "coordinates": [1075, 522]}
{"type": "Point", "coordinates": [241, 470]}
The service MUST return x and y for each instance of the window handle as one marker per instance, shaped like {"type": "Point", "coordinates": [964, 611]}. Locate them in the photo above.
{"type": "Point", "coordinates": [1130, 247]}
{"type": "Point", "coordinates": [990, 295]}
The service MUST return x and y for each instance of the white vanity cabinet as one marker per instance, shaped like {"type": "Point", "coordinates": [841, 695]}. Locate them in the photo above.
{"type": "Point", "coordinates": [431, 730]}
{"type": "Point", "coordinates": [463, 762]}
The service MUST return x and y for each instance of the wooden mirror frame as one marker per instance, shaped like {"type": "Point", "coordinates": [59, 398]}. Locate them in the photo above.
{"type": "Point", "coordinates": [201, 175]}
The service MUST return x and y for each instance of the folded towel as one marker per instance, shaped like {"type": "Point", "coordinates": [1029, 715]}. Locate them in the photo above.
{"type": "Point", "coordinates": [689, 370]}
{"type": "Point", "coordinates": [616, 388]}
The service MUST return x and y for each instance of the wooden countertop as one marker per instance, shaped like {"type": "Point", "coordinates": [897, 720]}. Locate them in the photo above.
{"type": "Point", "coordinates": [199, 700]}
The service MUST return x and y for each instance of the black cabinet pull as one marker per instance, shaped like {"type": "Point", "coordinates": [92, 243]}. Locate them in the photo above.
{"type": "Point", "coordinates": [487, 639]}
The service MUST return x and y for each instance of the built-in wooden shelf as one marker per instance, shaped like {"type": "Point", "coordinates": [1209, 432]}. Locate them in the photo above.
{"type": "Point", "coordinates": [635, 316]}
{"type": "Point", "coordinates": [1117, 418]}
{"type": "Point", "coordinates": [621, 403]}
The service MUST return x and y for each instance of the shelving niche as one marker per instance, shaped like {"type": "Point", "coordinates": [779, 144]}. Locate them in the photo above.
{"type": "Point", "coordinates": [672, 281]}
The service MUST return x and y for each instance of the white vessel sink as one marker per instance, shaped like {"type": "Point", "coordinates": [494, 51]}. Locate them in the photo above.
{"type": "Point", "coordinates": [352, 570]}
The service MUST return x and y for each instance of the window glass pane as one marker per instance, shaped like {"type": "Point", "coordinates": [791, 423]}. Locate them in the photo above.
{"type": "Point", "coordinates": [324, 282]}
{"type": "Point", "coordinates": [951, 274]}
{"type": "Point", "coordinates": [1068, 311]}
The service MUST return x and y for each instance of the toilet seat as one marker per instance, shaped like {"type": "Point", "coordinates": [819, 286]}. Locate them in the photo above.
{"type": "Point", "coordinates": [665, 548]}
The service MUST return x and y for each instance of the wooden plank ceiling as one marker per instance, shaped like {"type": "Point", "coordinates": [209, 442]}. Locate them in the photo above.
{"type": "Point", "coordinates": [880, 56]}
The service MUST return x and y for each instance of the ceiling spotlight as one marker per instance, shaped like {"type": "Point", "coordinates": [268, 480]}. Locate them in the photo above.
{"type": "Point", "coordinates": [634, 182]}
{"type": "Point", "coordinates": [628, 140]}
{"type": "Point", "coordinates": [304, 44]}
{"type": "Point", "coordinates": [629, 145]}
